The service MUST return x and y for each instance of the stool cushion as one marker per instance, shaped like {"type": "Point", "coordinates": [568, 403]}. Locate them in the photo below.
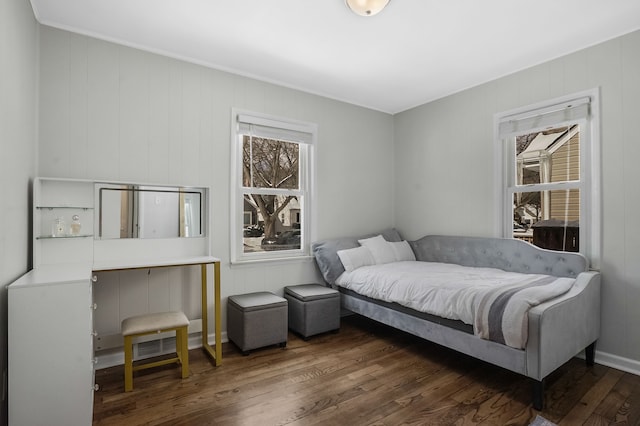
{"type": "Point", "coordinates": [153, 322]}
{"type": "Point", "coordinates": [256, 301]}
{"type": "Point", "coordinates": [308, 292]}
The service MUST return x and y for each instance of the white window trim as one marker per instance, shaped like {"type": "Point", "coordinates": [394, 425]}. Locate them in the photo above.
{"type": "Point", "coordinates": [590, 176]}
{"type": "Point", "coordinates": [307, 180]}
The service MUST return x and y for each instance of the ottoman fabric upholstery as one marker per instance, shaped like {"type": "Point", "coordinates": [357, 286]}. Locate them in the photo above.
{"type": "Point", "coordinates": [257, 319]}
{"type": "Point", "coordinates": [313, 309]}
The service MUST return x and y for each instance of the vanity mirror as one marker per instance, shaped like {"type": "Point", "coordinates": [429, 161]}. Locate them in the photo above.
{"type": "Point", "coordinates": [144, 211]}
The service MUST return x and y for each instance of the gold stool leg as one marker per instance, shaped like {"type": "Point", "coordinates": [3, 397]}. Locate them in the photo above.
{"type": "Point", "coordinates": [128, 363]}
{"type": "Point", "coordinates": [179, 344]}
{"type": "Point", "coordinates": [184, 351]}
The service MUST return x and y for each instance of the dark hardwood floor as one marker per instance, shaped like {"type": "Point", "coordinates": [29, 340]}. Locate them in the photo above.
{"type": "Point", "coordinates": [367, 374]}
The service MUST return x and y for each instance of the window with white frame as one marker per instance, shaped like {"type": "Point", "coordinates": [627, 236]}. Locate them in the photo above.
{"type": "Point", "coordinates": [548, 174]}
{"type": "Point", "coordinates": [272, 186]}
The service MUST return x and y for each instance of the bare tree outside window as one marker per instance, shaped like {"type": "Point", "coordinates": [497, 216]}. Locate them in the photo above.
{"type": "Point", "coordinates": [274, 165]}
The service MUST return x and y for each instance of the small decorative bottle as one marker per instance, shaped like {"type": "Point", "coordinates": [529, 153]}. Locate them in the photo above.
{"type": "Point", "coordinates": [58, 227]}
{"type": "Point", "coordinates": [75, 225]}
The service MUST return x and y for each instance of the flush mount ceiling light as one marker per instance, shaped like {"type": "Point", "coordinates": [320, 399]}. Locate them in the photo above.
{"type": "Point", "coordinates": [367, 7]}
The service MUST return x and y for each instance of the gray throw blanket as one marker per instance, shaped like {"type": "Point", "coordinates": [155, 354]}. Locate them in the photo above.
{"type": "Point", "coordinates": [501, 312]}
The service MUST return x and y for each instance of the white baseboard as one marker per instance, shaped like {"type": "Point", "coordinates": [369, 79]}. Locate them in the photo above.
{"type": "Point", "coordinates": [115, 356]}
{"type": "Point", "coordinates": [619, 363]}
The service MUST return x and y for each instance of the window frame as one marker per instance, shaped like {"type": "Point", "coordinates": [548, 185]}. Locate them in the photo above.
{"type": "Point", "coordinates": [306, 184]}
{"type": "Point", "coordinates": [590, 169]}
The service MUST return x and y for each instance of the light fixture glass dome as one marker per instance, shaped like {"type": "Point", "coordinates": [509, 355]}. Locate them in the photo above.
{"type": "Point", "coordinates": [367, 7]}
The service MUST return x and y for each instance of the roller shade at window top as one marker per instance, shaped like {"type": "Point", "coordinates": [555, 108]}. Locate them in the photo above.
{"type": "Point", "coordinates": [274, 129]}
{"type": "Point", "coordinates": [550, 117]}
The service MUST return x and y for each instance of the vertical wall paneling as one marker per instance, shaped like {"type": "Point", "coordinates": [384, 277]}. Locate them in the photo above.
{"type": "Point", "coordinates": [133, 117]}
{"type": "Point", "coordinates": [555, 70]}
{"type": "Point", "coordinates": [630, 77]}
{"type": "Point", "coordinates": [54, 99]}
{"type": "Point", "coordinates": [77, 144]}
{"type": "Point", "coordinates": [176, 289]}
{"type": "Point", "coordinates": [204, 159]}
{"type": "Point", "coordinates": [103, 130]}
{"type": "Point", "coordinates": [576, 71]}
{"type": "Point", "coordinates": [175, 121]}
{"type": "Point", "coordinates": [159, 290]}
{"type": "Point", "coordinates": [190, 123]}
{"type": "Point", "coordinates": [604, 71]}
{"type": "Point", "coordinates": [133, 292]}
{"type": "Point", "coordinates": [191, 290]}
{"type": "Point", "coordinates": [157, 155]}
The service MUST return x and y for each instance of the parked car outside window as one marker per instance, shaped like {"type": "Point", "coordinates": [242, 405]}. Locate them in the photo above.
{"type": "Point", "coordinates": [287, 240]}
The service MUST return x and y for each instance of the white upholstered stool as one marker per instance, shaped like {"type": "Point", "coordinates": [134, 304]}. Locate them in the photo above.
{"type": "Point", "coordinates": [150, 324]}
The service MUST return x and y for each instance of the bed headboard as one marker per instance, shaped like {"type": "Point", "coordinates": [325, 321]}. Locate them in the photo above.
{"type": "Point", "coordinates": [326, 252]}
{"type": "Point", "coordinates": [503, 253]}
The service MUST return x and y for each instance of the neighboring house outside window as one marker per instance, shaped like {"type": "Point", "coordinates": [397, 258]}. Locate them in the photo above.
{"type": "Point", "coordinates": [548, 174]}
{"type": "Point", "coordinates": [272, 178]}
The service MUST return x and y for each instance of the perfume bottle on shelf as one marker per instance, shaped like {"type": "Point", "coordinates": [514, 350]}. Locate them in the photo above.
{"type": "Point", "coordinates": [58, 228]}
{"type": "Point", "coordinates": [75, 226]}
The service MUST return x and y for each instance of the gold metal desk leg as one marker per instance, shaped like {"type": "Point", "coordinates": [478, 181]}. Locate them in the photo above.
{"type": "Point", "coordinates": [215, 353]}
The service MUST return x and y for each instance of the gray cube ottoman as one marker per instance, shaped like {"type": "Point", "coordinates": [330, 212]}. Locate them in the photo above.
{"type": "Point", "coordinates": [255, 320]}
{"type": "Point", "coordinates": [313, 309]}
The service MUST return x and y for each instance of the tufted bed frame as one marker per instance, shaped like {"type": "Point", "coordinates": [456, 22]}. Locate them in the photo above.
{"type": "Point", "coordinates": [559, 329]}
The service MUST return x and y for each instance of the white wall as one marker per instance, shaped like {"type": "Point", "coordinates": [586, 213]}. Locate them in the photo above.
{"type": "Point", "coordinates": [115, 113]}
{"type": "Point", "coordinates": [18, 68]}
{"type": "Point", "coordinates": [444, 161]}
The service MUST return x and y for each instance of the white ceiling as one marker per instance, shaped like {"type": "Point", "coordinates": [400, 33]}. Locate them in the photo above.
{"type": "Point", "coordinates": [413, 52]}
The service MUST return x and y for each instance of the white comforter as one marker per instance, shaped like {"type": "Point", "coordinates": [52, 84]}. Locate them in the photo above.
{"type": "Point", "coordinates": [495, 302]}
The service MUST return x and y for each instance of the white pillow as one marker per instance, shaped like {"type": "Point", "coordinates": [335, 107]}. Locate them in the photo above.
{"type": "Point", "coordinates": [380, 249]}
{"type": "Point", "coordinates": [356, 257]}
{"type": "Point", "coordinates": [403, 251]}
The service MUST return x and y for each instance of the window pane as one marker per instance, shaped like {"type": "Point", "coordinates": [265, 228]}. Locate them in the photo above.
{"type": "Point", "coordinates": [548, 219]}
{"type": "Point", "coordinates": [276, 223]}
{"type": "Point", "coordinates": [270, 163]}
{"type": "Point", "coordinates": [548, 156]}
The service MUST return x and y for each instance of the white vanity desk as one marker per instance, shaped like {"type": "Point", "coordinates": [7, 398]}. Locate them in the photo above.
{"type": "Point", "coordinates": [52, 309]}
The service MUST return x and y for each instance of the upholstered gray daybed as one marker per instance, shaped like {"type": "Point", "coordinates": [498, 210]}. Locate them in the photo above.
{"type": "Point", "coordinates": [557, 329]}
